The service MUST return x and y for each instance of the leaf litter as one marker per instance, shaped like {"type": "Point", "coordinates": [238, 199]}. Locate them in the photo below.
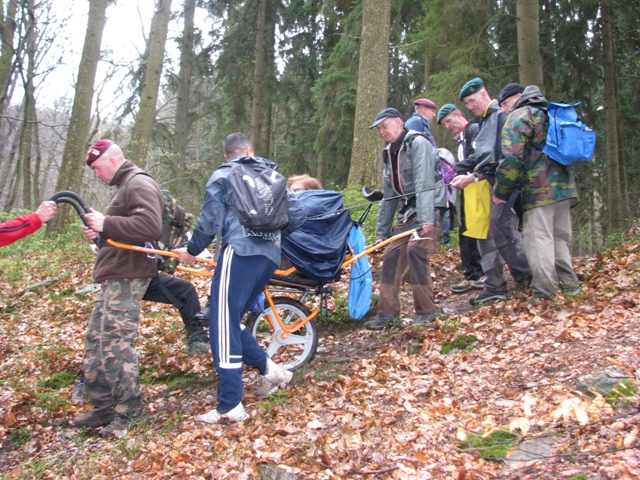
{"type": "Point", "coordinates": [365, 406]}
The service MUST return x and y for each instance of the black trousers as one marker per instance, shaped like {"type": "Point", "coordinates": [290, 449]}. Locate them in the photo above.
{"type": "Point", "coordinates": [469, 253]}
{"type": "Point", "coordinates": [182, 295]}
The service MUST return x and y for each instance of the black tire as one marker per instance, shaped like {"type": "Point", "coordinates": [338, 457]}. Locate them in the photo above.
{"type": "Point", "coordinates": [298, 348]}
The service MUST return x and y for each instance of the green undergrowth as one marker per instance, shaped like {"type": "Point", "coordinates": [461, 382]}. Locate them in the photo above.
{"type": "Point", "coordinates": [19, 437]}
{"type": "Point", "coordinates": [494, 446]}
{"type": "Point", "coordinates": [585, 242]}
{"type": "Point", "coordinates": [337, 320]}
{"type": "Point", "coordinates": [42, 255]}
{"type": "Point", "coordinates": [278, 398]}
{"type": "Point", "coordinates": [59, 380]}
{"type": "Point", "coordinates": [621, 392]}
{"type": "Point", "coordinates": [175, 380]}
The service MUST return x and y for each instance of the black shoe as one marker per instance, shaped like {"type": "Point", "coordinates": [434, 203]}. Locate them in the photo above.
{"type": "Point", "coordinates": [119, 426]}
{"type": "Point", "coordinates": [198, 348]}
{"type": "Point", "coordinates": [380, 321]}
{"type": "Point", "coordinates": [96, 418]}
{"type": "Point", "coordinates": [463, 286]}
{"type": "Point", "coordinates": [570, 291]}
{"type": "Point", "coordinates": [522, 285]}
{"type": "Point", "coordinates": [202, 317]}
{"type": "Point", "coordinates": [537, 300]}
{"type": "Point", "coordinates": [420, 319]}
{"type": "Point", "coordinates": [487, 297]}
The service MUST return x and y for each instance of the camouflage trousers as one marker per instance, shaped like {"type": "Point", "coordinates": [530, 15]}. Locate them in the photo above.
{"type": "Point", "coordinates": [111, 362]}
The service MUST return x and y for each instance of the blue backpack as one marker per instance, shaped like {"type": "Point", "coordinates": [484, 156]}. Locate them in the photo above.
{"type": "Point", "coordinates": [568, 139]}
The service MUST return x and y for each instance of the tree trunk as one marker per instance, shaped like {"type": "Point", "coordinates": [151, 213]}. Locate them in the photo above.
{"type": "Point", "coordinates": [529, 57]}
{"type": "Point", "coordinates": [14, 186]}
{"type": "Point", "coordinates": [614, 196]}
{"type": "Point", "coordinates": [271, 84]}
{"type": "Point", "coordinates": [145, 119]}
{"type": "Point", "coordinates": [36, 154]}
{"type": "Point", "coordinates": [259, 79]}
{"type": "Point", "coordinates": [6, 171]}
{"type": "Point", "coordinates": [321, 169]}
{"type": "Point", "coordinates": [7, 53]}
{"type": "Point", "coordinates": [29, 122]}
{"type": "Point", "coordinates": [79, 123]}
{"type": "Point", "coordinates": [373, 81]}
{"type": "Point", "coordinates": [183, 122]}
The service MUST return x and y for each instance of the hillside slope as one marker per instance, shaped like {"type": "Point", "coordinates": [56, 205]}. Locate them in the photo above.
{"type": "Point", "coordinates": [371, 404]}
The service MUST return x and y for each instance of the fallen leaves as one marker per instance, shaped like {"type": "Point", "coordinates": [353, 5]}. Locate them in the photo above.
{"type": "Point", "coordinates": [378, 411]}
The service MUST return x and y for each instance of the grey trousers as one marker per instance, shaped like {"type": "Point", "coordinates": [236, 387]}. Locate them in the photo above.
{"type": "Point", "coordinates": [547, 236]}
{"type": "Point", "coordinates": [504, 242]}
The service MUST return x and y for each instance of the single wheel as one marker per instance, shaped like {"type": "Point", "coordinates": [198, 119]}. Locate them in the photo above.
{"type": "Point", "coordinates": [296, 349]}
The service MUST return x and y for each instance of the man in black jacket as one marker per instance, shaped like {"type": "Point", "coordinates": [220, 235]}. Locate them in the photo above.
{"type": "Point", "coordinates": [504, 241]}
{"type": "Point", "coordinates": [464, 133]}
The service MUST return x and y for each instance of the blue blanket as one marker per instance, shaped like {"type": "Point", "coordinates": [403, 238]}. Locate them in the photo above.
{"type": "Point", "coordinates": [318, 247]}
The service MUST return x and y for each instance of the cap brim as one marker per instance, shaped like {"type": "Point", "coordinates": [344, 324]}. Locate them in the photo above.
{"type": "Point", "coordinates": [377, 122]}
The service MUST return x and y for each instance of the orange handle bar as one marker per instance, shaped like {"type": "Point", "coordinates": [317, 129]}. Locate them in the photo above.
{"type": "Point", "coordinates": [200, 272]}
{"type": "Point", "coordinates": [377, 246]}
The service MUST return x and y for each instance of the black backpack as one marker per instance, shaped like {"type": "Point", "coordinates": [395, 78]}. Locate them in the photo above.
{"type": "Point", "coordinates": [260, 194]}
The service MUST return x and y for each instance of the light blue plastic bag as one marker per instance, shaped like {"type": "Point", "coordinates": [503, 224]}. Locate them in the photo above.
{"type": "Point", "coordinates": [361, 283]}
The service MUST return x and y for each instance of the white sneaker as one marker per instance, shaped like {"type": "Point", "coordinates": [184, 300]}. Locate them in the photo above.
{"type": "Point", "coordinates": [276, 375]}
{"type": "Point", "coordinates": [236, 414]}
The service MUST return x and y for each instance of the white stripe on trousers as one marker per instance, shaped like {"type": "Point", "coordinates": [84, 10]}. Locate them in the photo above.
{"type": "Point", "coordinates": [224, 343]}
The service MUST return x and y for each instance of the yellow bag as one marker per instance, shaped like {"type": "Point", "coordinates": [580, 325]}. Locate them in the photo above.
{"type": "Point", "coordinates": [477, 209]}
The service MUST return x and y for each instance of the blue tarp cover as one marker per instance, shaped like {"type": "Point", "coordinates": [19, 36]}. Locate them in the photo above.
{"type": "Point", "coordinates": [319, 246]}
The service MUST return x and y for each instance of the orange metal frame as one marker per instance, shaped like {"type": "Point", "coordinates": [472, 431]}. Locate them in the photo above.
{"type": "Point", "coordinates": [274, 317]}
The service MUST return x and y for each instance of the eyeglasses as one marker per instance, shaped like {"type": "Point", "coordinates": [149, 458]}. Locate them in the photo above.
{"type": "Point", "coordinates": [384, 125]}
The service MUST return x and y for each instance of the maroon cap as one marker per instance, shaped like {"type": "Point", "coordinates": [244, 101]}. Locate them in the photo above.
{"type": "Point", "coordinates": [97, 149]}
{"type": "Point", "coordinates": [425, 102]}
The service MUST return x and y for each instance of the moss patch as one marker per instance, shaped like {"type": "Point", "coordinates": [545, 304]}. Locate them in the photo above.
{"type": "Point", "coordinates": [494, 446]}
{"type": "Point", "coordinates": [464, 343]}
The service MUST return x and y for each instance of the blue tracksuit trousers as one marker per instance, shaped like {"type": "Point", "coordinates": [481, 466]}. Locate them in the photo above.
{"type": "Point", "coordinates": [236, 284]}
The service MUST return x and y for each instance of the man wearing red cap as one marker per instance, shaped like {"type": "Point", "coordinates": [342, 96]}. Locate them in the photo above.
{"type": "Point", "coordinates": [134, 215]}
{"type": "Point", "coordinates": [423, 116]}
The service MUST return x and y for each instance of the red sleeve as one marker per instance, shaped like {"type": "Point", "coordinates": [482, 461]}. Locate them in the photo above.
{"type": "Point", "coordinates": [18, 228]}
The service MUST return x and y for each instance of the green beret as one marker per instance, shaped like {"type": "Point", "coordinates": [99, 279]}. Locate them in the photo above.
{"type": "Point", "coordinates": [445, 110]}
{"type": "Point", "coordinates": [472, 86]}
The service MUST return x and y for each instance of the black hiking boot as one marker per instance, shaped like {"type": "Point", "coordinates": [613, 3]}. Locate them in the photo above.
{"type": "Point", "coordinates": [96, 418]}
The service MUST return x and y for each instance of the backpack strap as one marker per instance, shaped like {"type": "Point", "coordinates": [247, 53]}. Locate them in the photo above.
{"type": "Point", "coordinates": [408, 142]}
{"type": "Point", "coordinates": [126, 193]}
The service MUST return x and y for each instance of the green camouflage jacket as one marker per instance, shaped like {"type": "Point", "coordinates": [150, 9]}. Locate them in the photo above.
{"type": "Point", "coordinates": [524, 134]}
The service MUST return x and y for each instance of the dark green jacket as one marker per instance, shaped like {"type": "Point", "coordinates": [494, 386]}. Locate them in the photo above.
{"type": "Point", "coordinates": [524, 135]}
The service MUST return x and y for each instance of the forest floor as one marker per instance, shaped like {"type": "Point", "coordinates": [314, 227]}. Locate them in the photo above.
{"type": "Point", "coordinates": [387, 405]}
